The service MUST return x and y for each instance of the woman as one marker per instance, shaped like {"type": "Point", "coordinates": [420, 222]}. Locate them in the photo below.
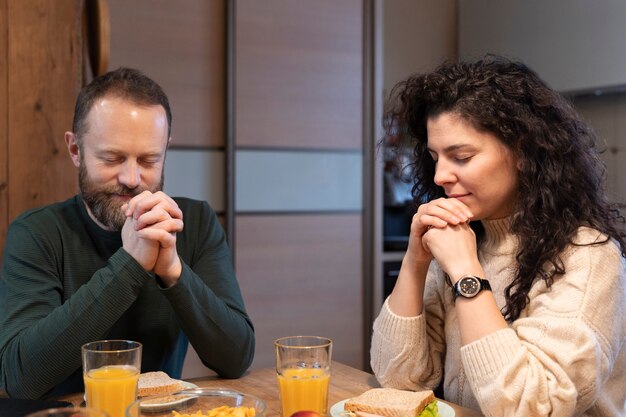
{"type": "Point", "coordinates": [512, 289]}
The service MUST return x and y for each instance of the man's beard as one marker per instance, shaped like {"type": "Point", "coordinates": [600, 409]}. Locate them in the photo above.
{"type": "Point", "coordinates": [101, 201]}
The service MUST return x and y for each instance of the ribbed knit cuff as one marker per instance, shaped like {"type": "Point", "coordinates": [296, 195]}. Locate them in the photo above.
{"type": "Point", "coordinates": [181, 288]}
{"type": "Point", "coordinates": [487, 356]}
{"type": "Point", "coordinates": [123, 264]}
{"type": "Point", "coordinates": [409, 330]}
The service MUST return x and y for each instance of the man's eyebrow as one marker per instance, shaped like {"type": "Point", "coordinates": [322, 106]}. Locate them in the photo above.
{"type": "Point", "coordinates": [107, 151]}
{"type": "Point", "coordinates": [120, 152]}
{"type": "Point", "coordinates": [152, 155]}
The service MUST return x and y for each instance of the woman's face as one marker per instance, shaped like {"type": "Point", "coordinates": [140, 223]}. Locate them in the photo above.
{"type": "Point", "coordinates": [472, 166]}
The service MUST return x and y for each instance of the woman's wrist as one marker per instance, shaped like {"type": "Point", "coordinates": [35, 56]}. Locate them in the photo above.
{"type": "Point", "coordinates": [460, 270]}
{"type": "Point", "coordinates": [415, 264]}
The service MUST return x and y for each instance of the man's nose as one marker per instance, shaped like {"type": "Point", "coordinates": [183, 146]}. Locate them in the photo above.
{"type": "Point", "coordinates": [130, 175]}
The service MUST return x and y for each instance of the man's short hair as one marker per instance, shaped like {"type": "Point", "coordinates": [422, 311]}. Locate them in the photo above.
{"type": "Point", "coordinates": [126, 83]}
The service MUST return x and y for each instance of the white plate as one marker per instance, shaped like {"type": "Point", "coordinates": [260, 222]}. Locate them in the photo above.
{"type": "Point", "coordinates": [337, 409]}
{"type": "Point", "coordinates": [157, 406]}
{"type": "Point", "coordinates": [162, 406]}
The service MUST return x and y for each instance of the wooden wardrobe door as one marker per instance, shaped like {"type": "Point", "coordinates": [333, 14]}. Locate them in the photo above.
{"type": "Point", "coordinates": [40, 75]}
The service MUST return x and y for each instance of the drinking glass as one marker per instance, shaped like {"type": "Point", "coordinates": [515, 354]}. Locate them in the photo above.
{"type": "Point", "coordinates": [111, 370]}
{"type": "Point", "coordinates": [303, 370]}
{"type": "Point", "coordinates": [69, 412]}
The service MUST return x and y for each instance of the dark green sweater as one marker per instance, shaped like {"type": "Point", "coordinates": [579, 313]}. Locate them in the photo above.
{"type": "Point", "coordinates": [65, 281]}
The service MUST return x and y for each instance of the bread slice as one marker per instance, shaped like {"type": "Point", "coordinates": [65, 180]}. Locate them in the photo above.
{"type": "Point", "coordinates": [153, 383]}
{"type": "Point", "coordinates": [390, 402]}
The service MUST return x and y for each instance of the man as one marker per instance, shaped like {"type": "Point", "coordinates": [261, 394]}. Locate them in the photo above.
{"type": "Point", "coordinates": [121, 260]}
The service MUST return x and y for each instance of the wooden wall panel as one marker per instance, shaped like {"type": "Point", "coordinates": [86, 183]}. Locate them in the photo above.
{"type": "Point", "coordinates": [182, 46]}
{"type": "Point", "coordinates": [298, 73]}
{"type": "Point", "coordinates": [300, 275]}
{"type": "Point", "coordinates": [44, 75]}
{"type": "Point", "coordinates": [4, 119]}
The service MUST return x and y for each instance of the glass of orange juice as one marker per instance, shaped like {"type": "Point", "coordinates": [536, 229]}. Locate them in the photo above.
{"type": "Point", "coordinates": [303, 369]}
{"type": "Point", "coordinates": [111, 370]}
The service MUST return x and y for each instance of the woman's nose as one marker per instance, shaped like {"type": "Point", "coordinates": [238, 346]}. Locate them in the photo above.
{"type": "Point", "coordinates": [443, 173]}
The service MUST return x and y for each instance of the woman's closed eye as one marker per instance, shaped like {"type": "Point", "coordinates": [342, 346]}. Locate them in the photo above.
{"type": "Point", "coordinates": [463, 158]}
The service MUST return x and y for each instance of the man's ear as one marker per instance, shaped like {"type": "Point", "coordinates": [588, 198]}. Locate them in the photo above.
{"type": "Point", "coordinates": [73, 148]}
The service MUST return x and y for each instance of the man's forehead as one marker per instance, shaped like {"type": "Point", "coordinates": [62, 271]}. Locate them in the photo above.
{"type": "Point", "coordinates": [111, 102]}
{"type": "Point", "coordinates": [117, 112]}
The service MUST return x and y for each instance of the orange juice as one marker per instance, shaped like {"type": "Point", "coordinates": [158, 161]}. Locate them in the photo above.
{"type": "Point", "coordinates": [111, 388]}
{"type": "Point", "coordinates": [303, 389]}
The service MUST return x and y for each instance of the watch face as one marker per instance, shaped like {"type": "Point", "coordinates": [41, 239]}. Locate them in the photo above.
{"type": "Point", "coordinates": [469, 286]}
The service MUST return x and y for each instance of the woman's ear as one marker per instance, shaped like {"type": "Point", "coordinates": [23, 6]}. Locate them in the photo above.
{"type": "Point", "coordinates": [73, 148]}
{"type": "Point", "coordinates": [519, 160]}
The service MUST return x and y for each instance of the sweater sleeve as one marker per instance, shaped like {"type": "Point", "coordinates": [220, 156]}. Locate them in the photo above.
{"type": "Point", "coordinates": [408, 352]}
{"type": "Point", "coordinates": [208, 302]}
{"type": "Point", "coordinates": [41, 332]}
{"type": "Point", "coordinates": [554, 360]}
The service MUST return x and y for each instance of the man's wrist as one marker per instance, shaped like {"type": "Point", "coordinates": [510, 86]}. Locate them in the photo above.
{"type": "Point", "coordinates": [171, 275]}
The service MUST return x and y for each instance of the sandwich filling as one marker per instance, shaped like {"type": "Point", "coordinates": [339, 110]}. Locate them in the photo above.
{"type": "Point", "coordinates": [431, 410]}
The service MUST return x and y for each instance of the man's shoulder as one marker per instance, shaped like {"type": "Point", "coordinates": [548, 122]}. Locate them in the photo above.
{"type": "Point", "coordinates": [197, 214]}
{"type": "Point", "coordinates": [46, 222]}
{"type": "Point", "coordinates": [50, 212]}
{"type": "Point", "coordinates": [186, 201]}
{"type": "Point", "coordinates": [190, 205]}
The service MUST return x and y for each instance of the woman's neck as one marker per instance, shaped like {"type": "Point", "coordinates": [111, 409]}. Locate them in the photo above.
{"type": "Point", "coordinates": [498, 238]}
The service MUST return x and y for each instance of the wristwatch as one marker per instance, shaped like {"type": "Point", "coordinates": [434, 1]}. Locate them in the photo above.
{"type": "Point", "coordinates": [469, 286]}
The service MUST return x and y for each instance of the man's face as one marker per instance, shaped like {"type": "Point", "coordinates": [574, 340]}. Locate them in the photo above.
{"type": "Point", "coordinates": [121, 155]}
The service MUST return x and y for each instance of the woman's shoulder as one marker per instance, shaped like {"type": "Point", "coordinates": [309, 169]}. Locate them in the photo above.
{"type": "Point", "coordinates": [586, 235]}
{"type": "Point", "coordinates": [592, 246]}
{"type": "Point", "coordinates": [594, 269]}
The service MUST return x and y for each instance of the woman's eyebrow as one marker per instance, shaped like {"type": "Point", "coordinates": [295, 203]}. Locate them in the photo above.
{"type": "Point", "coordinates": [451, 148]}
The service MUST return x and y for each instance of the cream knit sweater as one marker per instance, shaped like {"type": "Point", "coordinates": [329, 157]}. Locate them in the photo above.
{"type": "Point", "coordinates": [564, 356]}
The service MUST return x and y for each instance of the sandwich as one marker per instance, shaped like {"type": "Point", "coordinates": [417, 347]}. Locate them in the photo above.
{"type": "Point", "coordinates": [390, 402]}
{"type": "Point", "coordinates": [154, 383]}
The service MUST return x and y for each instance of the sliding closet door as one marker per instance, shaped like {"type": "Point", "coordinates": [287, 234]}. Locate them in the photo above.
{"type": "Point", "coordinates": [182, 46]}
{"type": "Point", "coordinates": [298, 138]}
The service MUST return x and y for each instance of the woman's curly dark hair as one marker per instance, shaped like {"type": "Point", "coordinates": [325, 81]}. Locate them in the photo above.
{"type": "Point", "coordinates": [561, 176]}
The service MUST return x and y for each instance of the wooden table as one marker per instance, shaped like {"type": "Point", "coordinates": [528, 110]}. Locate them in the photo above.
{"type": "Point", "coordinates": [345, 382]}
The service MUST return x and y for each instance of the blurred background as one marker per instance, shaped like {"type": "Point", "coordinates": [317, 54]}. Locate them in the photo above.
{"type": "Point", "coordinates": [277, 109]}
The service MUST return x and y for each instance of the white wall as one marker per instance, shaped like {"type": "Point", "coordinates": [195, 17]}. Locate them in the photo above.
{"type": "Point", "coordinates": [607, 115]}
{"type": "Point", "coordinates": [574, 45]}
{"type": "Point", "coordinates": [417, 35]}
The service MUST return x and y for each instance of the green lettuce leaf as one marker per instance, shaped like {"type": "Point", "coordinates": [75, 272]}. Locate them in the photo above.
{"type": "Point", "coordinates": [431, 410]}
